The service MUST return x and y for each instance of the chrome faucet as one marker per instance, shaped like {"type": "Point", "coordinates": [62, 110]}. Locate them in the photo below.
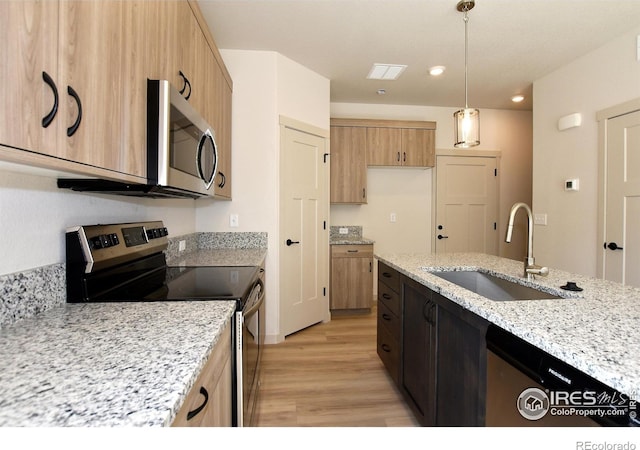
{"type": "Point", "coordinates": [530, 267]}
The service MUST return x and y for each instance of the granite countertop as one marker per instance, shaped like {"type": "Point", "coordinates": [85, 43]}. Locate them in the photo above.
{"type": "Point", "coordinates": [220, 257]}
{"type": "Point", "coordinates": [596, 331]}
{"type": "Point", "coordinates": [106, 364]}
{"type": "Point", "coordinates": [351, 241]}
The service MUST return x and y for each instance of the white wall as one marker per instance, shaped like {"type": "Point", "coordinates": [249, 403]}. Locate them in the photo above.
{"type": "Point", "coordinates": [603, 78]}
{"type": "Point", "coordinates": [408, 192]}
{"type": "Point", "coordinates": [34, 215]}
{"type": "Point", "coordinates": [266, 85]}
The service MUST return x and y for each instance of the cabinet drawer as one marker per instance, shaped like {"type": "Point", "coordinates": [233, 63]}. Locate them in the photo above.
{"type": "Point", "coordinates": [389, 352]}
{"type": "Point", "coordinates": [352, 251]}
{"type": "Point", "coordinates": [389, 276]}
{"type": "Point", "coordinates": [389, 320]}
{"type": "Point", "coordinates": [389, 298]}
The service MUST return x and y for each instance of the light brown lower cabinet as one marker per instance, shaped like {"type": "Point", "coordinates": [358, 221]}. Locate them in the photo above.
{"type": "Point", "coordinates": [208, 403]}
{"type": "Point", "coordinates": [351, 277]}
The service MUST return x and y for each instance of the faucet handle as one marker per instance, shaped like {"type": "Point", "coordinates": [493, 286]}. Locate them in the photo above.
{"type": "Point", "coordinates": [537, 270]}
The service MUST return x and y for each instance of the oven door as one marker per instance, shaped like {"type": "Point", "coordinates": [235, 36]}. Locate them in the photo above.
{"type": "Point", "coordinates": [248, 360]}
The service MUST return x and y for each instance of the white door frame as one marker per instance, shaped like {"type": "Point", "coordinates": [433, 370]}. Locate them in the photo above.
{"type": "Point", "coordinates": [434, 184]}
{"type": "Point", "coordinates": [603, 117]}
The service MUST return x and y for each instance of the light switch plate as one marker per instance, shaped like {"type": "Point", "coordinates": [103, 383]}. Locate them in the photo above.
{"type": "Point", "coordinates": [393, 217]}
{"type": "Point", "coordinates": [343, 230]}
{"type": "Point", "coordinates": [233, 220]}
{"type": "Point", "coordinates": [182, 245]}
{"type": "Point", "coordinates": [540, 219]}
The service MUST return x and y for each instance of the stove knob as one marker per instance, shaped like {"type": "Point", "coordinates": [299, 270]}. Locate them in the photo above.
{"type": "Point", "coordinates": [96, 242]}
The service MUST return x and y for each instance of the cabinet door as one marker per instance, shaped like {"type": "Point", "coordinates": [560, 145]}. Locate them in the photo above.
{"type": "Point", "coordinates": [348, 165]}
{"type": "Point", "coordinates": [419, 340]}
{"type": "Point", "coordinates": [91, 62]}
{"type": "Point", "coordinates": [384, 146]}
{"type": "Point", "coordinates": [418, 147]}
{"type": "Point", "coordinates": [461, 371]}
{"type": "Point", "coordinates": [351, 277]}
{"type": "Point", "coordinates": [208, 403]}
{"type": "Point", "coordinates": [223, 137]}
{"type": "Point", "coordinates": [28, 47]}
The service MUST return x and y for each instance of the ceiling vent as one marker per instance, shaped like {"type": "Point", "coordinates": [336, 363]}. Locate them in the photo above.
{"type": "Point", "coordinates": [386, 71]}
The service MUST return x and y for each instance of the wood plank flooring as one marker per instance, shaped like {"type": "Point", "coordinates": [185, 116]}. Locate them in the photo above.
{"type": "Point", "coordinates": [329, 375]}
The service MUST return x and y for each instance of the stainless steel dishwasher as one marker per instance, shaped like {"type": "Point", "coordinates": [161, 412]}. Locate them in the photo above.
{"type": "Point", "coordinates": [527, 387]}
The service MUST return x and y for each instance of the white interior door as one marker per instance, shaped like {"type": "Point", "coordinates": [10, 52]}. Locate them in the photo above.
{"type": "Point", "coordinates": [304, 246]}
{"type": "Point", "coordinates": [622, 196]}
{"type": "Point", "coordinates": [466, 204]}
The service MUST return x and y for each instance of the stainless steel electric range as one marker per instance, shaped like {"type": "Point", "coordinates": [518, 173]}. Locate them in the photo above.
{"type": "Point", "coordinates": [126, 263]}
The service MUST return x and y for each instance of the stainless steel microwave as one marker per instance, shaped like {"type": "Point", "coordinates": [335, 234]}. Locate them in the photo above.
{"type": "Point", "coordinates": [181, 146]}
{"type": "Point", "coordinates": [182, 156]}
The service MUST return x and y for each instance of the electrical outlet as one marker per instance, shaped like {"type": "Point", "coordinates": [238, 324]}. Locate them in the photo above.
{"type": "Point", "coordinates": [392, 217]}
{"type": "Point", "coordinates": [343, 230]}
{"type": "Point", "coordinates": [182, 245]}
{"type": "Point", "coordinates": [234, 221]}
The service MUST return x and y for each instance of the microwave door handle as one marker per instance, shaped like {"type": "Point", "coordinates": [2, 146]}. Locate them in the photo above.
{"type": "Point", "coordinates": [208, 181]}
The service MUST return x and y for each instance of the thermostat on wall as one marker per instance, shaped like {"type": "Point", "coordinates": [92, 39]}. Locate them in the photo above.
{"type": "Point", "coordinates": [572, 185]}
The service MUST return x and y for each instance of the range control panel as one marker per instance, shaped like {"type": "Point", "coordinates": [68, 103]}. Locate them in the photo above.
{"type": "Point", "coordinates": [105, 245]}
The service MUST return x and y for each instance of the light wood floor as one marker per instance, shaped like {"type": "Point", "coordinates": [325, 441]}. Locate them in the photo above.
{"type": "Point", "coordinates": [330, 375]}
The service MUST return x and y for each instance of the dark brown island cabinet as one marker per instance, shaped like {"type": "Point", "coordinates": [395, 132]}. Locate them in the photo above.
{"type": "Point", "coordinates": [433, 349]}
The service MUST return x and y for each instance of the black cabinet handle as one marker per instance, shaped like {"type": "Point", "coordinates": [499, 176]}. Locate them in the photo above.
{"type": "Point", "coordinates": [386, 296]}
{"type": "Point", "coordinates": [612, 246]}
{"type": "Point", "coordinates": [386, 348]}
{"type": "Point", "coordinates": [184, 82]}
{"type": "Point", "coordinates": [289, 242]}
{"type": "Point", "coordinates": [404, 156]}
{"type": "Point", "coordinates": [386, 274]}
{"type": "Point", "coordinates": [188, 84]}
{"type": "Point", "coordinates": [386, 316]}
{"type": "Point", "coordinates": [425, 314]}
{"type": "Point", "coordinates": [46, 120]}
{"type": "Point", "coordinates": [73, 128]}
{"type": "Point", "coordinates": [224, 180]}
{"type": "Point", "coordinates": [195, 412]}
{"type": "Point", "coordinates": [398, 156]}
{"type": "Point", "coordinates": [364, 193]}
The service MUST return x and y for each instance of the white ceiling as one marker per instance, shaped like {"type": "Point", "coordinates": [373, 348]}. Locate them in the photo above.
{"type": "Point", "coordinates": [511, 42]}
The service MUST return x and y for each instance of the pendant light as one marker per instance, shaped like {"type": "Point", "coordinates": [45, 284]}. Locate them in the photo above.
{"type": "Point", "coordinates": [466, 120]}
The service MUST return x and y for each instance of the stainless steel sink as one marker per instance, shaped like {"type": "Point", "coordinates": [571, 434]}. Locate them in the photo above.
{"type": "Point", "coordinates": [492, 287]}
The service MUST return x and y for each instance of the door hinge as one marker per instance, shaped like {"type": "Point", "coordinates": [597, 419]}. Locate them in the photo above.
{"type": "Point", "coordinates": [495, 172]}
{"type": "Point", "coordinates": [324, 157]}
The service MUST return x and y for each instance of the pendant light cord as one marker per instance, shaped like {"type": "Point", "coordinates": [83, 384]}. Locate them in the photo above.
{"type": "Point", "coordinates": [466, 54]}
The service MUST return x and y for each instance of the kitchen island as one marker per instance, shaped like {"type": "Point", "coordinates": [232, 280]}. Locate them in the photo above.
{"type": "Point", "coordinates": [106, 364]}
{"type": "Point", "coordinates": [596, 330]}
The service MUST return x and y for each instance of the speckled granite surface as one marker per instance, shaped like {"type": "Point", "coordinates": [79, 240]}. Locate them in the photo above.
{"type": "Point", "coordinates": [106, 364]}
{"type": "Point", "coordinates": [596, 331]}
{"type": "Point", "coordinates": [353, 237]}
{"type": "Point", "coordinates": [25, 294]}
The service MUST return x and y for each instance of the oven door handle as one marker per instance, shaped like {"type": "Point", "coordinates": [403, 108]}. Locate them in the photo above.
{"type": "Point", "coordinates": [258, 303]}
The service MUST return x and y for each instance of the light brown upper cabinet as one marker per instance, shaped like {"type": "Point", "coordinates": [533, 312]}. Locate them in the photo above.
{"type": "Point", "coordinates": [401, 143]}
{"type": "Point", "coordinates": [348, 163]}
{"type": "Point", "coordinates": [75, 92]}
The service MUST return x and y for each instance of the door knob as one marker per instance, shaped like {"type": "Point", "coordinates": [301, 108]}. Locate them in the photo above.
{"type": "Point", "coordinates": [290, 242]}
{"type": "Point", "coordinates": [442, 237]}
{"type": "Point", "coordinates": [612, 246]}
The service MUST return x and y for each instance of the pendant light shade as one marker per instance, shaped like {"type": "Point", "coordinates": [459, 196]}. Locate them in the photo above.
{"type": "Point", "coordinates": [467, 120]}
{"type": "Point", "coordinates": [467, 127]}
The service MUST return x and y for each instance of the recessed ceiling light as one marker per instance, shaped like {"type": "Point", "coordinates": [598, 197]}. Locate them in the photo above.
{"type": "Point", "coordinates": [436, 70]}
{"type": "Point", "coordinates": [386, 71]}
{"type": "Point", "coordinates": [517, 98]}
